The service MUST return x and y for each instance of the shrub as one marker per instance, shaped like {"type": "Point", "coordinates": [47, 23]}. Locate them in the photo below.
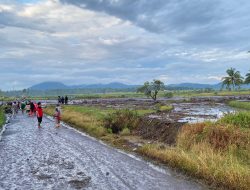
{"type": "Point", "coordinates": [121, 119]}
{"type": "Point", "coordinates": [166, 108]}
{"type": "Point", "coordinates": [125, 131]}
{"type": "Point", "coordinates": [163, 108]}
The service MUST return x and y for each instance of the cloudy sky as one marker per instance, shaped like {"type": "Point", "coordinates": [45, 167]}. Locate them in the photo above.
{"type": "Point", "coordinates": [128, 41]}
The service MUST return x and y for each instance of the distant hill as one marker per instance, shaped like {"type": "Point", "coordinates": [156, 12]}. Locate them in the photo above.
{"type": "Point", "coordinates": [59, 85]}
{"type": "Point", "coordinates": [201, 86]}
{"type": "Point", "coordinates": [114, 85]}
{"type": "Point", "coordinates": [49, 86]}
{"type": "Point", "coordinates": [121, 86]}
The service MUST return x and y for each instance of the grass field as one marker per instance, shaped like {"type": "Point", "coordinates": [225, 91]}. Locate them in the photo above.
{"type": "Point", "coordinates": [176, 93]}
{"type": "Point", "coordinates": [2, 117]}
{"type": "Point", "coordinates": [240, 105]}
{"type": "Point", "coordinates": [217, 153]}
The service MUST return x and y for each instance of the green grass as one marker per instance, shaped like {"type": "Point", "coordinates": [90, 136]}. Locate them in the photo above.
{"type": "Point", "coordinates": [96, 112]}
{"type": "Point", "coordinates": [191, 93]}
{"type": "Point", "coordinates": [2, 117]}
{"type": "Point", "coordinates": [181, 93]}
{"type": "Point", "coordinates": [88, 118]}
{"type": "Point", "coordinates": [166, 108]}
{"type": "Point", "coordinates": [239, 119]}
{"type": "Point", "coordinates": [100, 113]}
{"type": "Point", "coordinates": [240, 105]}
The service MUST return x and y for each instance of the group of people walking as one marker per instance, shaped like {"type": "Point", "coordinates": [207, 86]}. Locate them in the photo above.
{"type": "Point", "coordinates": [31, 108]}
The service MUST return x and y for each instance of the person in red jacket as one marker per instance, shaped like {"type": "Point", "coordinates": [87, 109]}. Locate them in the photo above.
{"type": "Point", "coordinates": [39, 114]}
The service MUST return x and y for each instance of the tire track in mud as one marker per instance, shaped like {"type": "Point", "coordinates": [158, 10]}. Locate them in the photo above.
{"type": "Point", "coordinates": [76, 157]}
{"type": "Point", "coordinates": [59, 160]}
{"type": "Point", "coordinates": [94, 161]}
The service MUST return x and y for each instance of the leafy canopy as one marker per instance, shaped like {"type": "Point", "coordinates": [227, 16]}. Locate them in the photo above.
{"type": "Point", "coordinates": [151, 89]}
{"type": "Point", "coordinates": [233, 79]}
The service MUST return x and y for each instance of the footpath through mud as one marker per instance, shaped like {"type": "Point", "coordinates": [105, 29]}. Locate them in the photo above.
{"type": "Point", "coordinates": [50, 158]}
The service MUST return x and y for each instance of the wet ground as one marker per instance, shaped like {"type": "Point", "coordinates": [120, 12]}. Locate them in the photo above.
{"type": "Point", "coordinates": [195, 112]}
{"type": "Point", "coordinates": [51, 158]}
{"type": "Point", "coordinates": [199, 109]}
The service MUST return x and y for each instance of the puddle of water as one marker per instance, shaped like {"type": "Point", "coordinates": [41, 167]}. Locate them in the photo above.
{"type": "Point", "coordinates": [196, 113]}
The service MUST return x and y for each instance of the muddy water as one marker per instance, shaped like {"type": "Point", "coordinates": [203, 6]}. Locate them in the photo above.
{"type": "Point", "coordinates": [199, 112]}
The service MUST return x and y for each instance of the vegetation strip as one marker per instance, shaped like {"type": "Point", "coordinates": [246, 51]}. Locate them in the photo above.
{"type": "Point", "coordinates": [240, 105]}
{"type": "Point", "coordinates": [217, 153]}
{"type": "Point", "coordinates": [2, 117]}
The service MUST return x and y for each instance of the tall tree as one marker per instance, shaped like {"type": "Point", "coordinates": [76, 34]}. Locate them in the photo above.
{"type": "Point", "coordinates": [233, 79]}
{"type": "Point", "coordinates": [247, 79]}
{"type": "Point", "coordinates": [151, 89]}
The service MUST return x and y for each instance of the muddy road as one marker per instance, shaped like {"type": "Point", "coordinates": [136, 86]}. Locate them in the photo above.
{"type": "Point", "coordinates": [50, 158]}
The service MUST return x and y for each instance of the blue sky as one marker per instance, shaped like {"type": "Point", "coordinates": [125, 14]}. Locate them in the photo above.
{"type": "Point", "coordinates": [129, 41]}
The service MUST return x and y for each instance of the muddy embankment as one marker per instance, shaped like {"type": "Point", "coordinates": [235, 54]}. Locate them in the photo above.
{"type": "Point", "coordinates": [155, 129]}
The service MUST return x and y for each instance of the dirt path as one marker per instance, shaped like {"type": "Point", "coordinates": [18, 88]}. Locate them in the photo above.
{"type": "Point", "coordinates": [49, 158]}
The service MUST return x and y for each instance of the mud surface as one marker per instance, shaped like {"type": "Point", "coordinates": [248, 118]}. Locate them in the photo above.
{"type": "Point", "coordinates": [194, 112]}
{"type": "Point", "coordinates": [158, 130]}
{"type": "Point", "coordinates": [50, 158]}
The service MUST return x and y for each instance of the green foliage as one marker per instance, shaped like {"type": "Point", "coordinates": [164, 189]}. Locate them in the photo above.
{"type": "Point", "coordinates": [168, 94]}
{"type": "Point", "coordinates": [233, 79]}
{"type": "Point", "coordinates": [240, 119]}
{"type": "Point", "coordinates": [163, 108]}
{"type": "Point", "coordinates": [166, 108]}
{"type": "Point", "coordinates": [125, 131]}
{"type": "Point", "coordinates": [247, 79]}
{"type": "Point", "coordinates": [2, 117]}
{"type": "Point", "coordinates": [240, 105]}
{"type": "Point", "coordinates": [120, 120]}
{"type": "Point", "coordinates": [151, 89]}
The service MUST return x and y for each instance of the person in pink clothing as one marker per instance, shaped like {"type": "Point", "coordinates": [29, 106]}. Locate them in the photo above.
{"type": "Point", "coordinates": [57, 117]}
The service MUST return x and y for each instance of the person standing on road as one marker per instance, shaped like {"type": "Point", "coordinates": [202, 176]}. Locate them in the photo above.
{"type": "Point", "coordinates": [59, 99]}
{"type": "Point", "coordinates": [62, 100]}
{"type": "Point", "coordinates": [23, 107]}
{"type": "Point", "coordinates": [12, 104]}
{"type": "Point", "coordinates": [39, 114]}
{"type": "Point", "coordinates": [32, 109]}
{"type": "Point", "coordinates": [27, 107]}
{"type": "Point", "coordinates": [57, 117]}
{"type": "Point", "coordinates": [66, 99]}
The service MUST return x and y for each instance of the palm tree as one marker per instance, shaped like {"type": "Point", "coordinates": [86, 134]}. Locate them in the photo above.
{"type": "Point", "coordinates": [233, 79]}
{"type": "Point", "coordinates": [247, 79]}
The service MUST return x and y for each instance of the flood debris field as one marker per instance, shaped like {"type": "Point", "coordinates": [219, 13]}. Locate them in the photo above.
{"type": "Point", "coordinates": [50, 158]}
{"type": "Point", "coordinates": [196, 109]}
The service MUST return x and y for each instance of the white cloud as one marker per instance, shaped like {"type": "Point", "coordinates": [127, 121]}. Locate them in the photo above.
{"type": "Point", "coordinates": [126, 41]}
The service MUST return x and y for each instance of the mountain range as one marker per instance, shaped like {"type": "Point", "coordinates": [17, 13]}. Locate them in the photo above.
{"type": "Point", "coordinates": [59, 85]}
{"type": "Point", "coordinates": [117, 85]}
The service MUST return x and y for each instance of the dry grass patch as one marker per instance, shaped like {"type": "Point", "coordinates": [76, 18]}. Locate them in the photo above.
{"type": "Point", "coordinates": [217, 154]}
